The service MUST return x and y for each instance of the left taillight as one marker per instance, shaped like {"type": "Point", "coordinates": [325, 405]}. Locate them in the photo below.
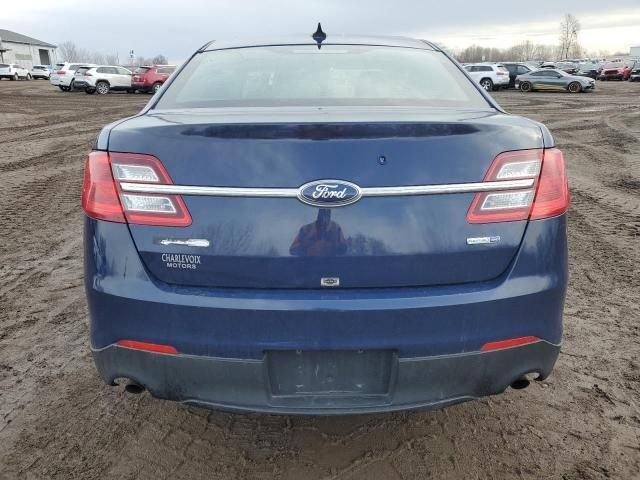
{"type": "Point", "coordinates": [103, 198]}
{"type": "Point", "coordinates": [99, 191]}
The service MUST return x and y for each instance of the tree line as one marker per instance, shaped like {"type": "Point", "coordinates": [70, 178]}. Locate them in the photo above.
{"type": "Point", "coordinates": [70, 52]}
{"type": "Point", "coordinates": [568, 47]}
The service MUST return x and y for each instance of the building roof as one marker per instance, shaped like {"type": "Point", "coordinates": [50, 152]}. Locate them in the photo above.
{"type": "Point", "coordinates": [9, 36]}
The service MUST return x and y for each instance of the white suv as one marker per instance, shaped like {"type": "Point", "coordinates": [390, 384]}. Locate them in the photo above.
{"type": "Point", "coordinates": [490, 76]}
{"type": "Point", "coordinates": [62, 76]}
{"type": "Point", "coordinates": [102, 79]}
{"type": "Point", "coordinates": [13, 72]}
{"type": "Point", "coordinates": [40, 71]}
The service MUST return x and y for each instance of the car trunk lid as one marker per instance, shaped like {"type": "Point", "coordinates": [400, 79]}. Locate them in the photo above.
{"type": "Point", "coordinates": [391, 241]}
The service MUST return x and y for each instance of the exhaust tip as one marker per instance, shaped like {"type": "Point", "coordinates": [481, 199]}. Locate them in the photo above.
{"type": "Point", "coordinates": [134, 388]}
{"type": "Point", "coordinates": [519, 384]}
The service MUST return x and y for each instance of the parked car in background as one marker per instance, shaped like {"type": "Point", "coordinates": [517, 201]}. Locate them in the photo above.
{"type": "Point", "coordinates": [40, 71]}
{"type": "Point", "coordinates": [587, 69]}
{"type": "Point", "coordinates": [150, 78]}
{"type": "Point", "coordinates": [615, 71]}
{"type": "Point", "coordinates": [490, 76]}
{"type": "Point", "coordinates": [552, 79]}
{"type": "Point", "coordinates": [248, 246]}
{"type": "Point", "coordinates": [515, 69]}
{"type": "Point", "coordinates": [568, 67]}
{"type": "Point", "coordinates": [102, 79]}
{"type": "Point", "coordinates": [63, 77]}
{"type": "Point", "coordinates": [635, 73]}
{"type": "Point", "coordinates": [533, 64]}
{"type": "Point", "coordinates": [13, 71]}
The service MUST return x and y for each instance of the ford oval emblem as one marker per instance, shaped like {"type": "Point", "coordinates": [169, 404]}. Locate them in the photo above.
{"type": "Point", "coordinates": [329, 193]}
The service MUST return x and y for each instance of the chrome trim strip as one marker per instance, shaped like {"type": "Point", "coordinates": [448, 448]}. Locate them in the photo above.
{"type": "Point", "coordinates": [447, 188]}
{"type": "Point", "coordinates": [209, 191]}
{"type": "Point", "coordinates": [293, 192]}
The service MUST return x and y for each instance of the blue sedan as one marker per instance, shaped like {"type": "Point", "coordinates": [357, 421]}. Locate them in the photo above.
{"type": "Point", "coordinates": [324, 225]}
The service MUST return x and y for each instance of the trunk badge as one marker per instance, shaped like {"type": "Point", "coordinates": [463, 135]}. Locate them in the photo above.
{"type": "Point", "coordinates": [483, 240]}
{"type": "Point", "coordinates": [330, 281]}
{"type": "Point", "coordinates": [329, 193]}
{"type": "Point", "coordinates": [186, 242]}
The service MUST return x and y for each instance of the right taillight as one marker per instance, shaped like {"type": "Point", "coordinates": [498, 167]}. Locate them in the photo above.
{"type": "Point", "coordinates": [552, 195]}
{"type": "Point", "coordinates": [102, 197]}
{"type": "Point", "coordinates": [547, 196]}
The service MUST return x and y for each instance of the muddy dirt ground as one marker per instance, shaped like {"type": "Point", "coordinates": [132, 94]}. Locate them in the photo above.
{"type": "Point", "coordinates": [57, 420]}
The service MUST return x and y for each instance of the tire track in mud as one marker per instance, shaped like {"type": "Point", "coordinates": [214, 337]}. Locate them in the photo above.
{"type": "Point", "coordinates": [57, 420]}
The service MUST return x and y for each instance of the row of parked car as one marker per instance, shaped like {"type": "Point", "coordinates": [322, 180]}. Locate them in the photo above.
{"type": "Point", "coordinates": [568, 76]}
{"type": "Point", "coordinates": [102, 79]}
{"type": "Point", "coordinates": [91, 78]}
{"type": "Point", "coordinates": [14, 71]}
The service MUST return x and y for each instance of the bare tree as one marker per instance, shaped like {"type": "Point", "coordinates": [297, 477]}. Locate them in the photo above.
{"type": "Point", "coordinates": [569, 30]}
{"type": "Point", "coordinates": [159, 60]}
{"type": "Point", "coordinates": [69, 52]}
{"type": "Point", "coordinates": [111, 59]}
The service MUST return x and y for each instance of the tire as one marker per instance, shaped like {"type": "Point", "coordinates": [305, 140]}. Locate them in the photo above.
{"type": "Point", "coordinates": [526, 87]}
{"type": "Point", "coordinates": [15, 77]}
{"type": "Point", "coordinates": [131, 90]}
{"type": "Point", "coordinates": [89, 91]}
{"type": "Point", "coordinates": [102, 88]}
{"type": "Point", "coordinates": [29, 76]}
{"type": "Point", "coordinates": [61, 87]}
{"type": "Point", "coordinates": [574, 87]}
{"type": "Point", "coordinates": [485, 83]}
{"type": "Point", "coordinates": [155, 87]}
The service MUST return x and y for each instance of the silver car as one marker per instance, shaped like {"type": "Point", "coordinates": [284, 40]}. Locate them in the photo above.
{"type": "Point", "coordinates": [555, 80]}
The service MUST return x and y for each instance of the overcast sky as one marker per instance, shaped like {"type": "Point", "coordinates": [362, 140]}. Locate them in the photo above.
{"type": "Point", "coordinates": [176, 28]}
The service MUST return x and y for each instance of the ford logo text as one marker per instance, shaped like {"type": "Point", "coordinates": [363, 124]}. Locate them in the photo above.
{"type": "Point", "coordinates": [329, 193]}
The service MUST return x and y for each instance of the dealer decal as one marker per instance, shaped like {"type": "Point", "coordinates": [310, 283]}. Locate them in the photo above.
{"type": "Point", "coordinates": [178, 260]}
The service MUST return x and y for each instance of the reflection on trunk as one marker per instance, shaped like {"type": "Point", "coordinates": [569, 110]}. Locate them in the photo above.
{"type": "Point", "coordinates": [322, 238]}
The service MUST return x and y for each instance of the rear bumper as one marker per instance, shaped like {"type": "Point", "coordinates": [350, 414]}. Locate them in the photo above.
{"type": "Point", "coordinates": [245, 385]}
{"type": "Point", "coordinates": [222, 335]}
{"type": "Point", "coordinates": [82, 84]}
{"type": "Point", "coordinates": [60, 80]}
{"type": "Point", "coordinates": [140, 85]}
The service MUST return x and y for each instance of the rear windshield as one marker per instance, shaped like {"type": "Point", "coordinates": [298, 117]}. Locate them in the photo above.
{"type": "Point", "coordinates": [74, 67]}
{"type": "Point", "coordinates": [335, 75]}
{"type": "Point", "coordinates": [3, 65]}
{"type": "Point", "coordinates": [141, 70]}
{"type": "Point", "coordinates": [39, 67]}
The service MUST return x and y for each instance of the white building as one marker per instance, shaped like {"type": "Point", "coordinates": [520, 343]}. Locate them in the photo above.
{"type": "Point", "coordinates": [25, 51]}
